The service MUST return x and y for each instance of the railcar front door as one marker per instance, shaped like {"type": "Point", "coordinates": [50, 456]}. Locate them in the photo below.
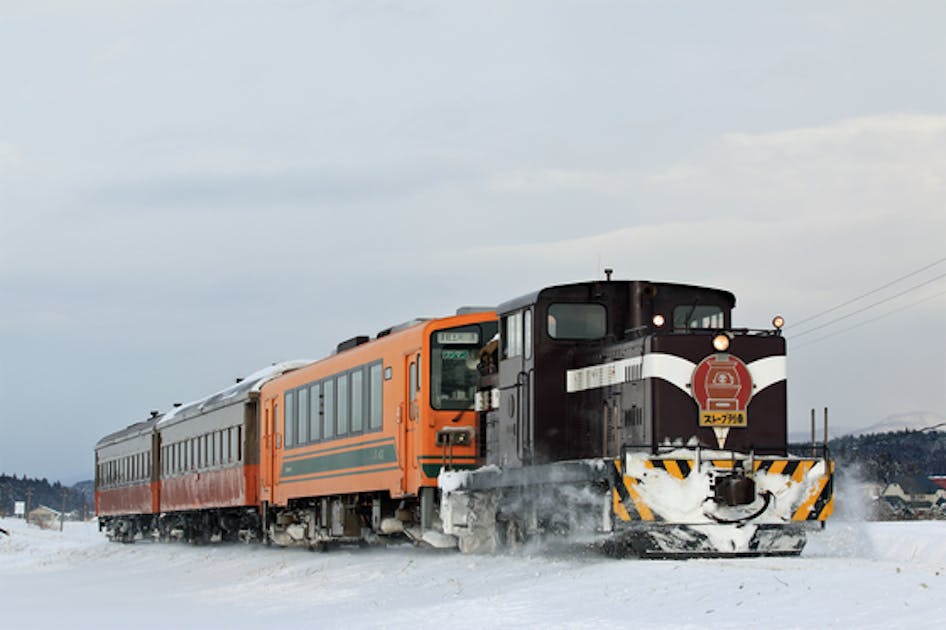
{"type": "Point", "coordinates": [410, 421]}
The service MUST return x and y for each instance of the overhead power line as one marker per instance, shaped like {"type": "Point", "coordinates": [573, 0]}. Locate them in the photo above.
{"type": "Point", "coordinates": [869, 306]}
{"type": "Point", "coordinates": [868, 321]}
{"type": "Point", "coordinates": [868, 294]}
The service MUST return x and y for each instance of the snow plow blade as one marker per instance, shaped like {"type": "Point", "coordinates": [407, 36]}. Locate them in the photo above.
{"type": "Point", "coordinates": [684, 504]}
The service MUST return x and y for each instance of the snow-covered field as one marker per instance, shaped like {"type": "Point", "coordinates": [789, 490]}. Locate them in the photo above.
{"type": "Point", "coordinates": [861, 575]}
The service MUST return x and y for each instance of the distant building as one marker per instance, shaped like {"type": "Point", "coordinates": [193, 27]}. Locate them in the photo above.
{"type": "Point", "coordinates": [912, 497]}
{"type": "Point", "coordinates": [45, 517]}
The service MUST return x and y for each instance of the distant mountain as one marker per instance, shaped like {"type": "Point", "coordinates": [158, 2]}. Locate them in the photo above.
{"type": "Point", "coordinates": [912, 421]}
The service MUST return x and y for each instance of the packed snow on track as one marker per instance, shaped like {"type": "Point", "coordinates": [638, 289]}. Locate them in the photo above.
{"type": "Point", "coordinates": [852, 574]}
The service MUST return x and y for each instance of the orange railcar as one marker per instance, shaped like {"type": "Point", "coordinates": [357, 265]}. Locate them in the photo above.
{"type": "Point", "coordinates": [352, 445]}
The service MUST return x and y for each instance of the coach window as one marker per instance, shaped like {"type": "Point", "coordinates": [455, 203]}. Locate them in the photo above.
{"type": "Point", "coordinates": [303, 416]}
{"type": "Point", "coordinates": [328, 403]}
{"type": "Point", "coordinates": [512, 335]}
{"type": "Point", "coordinates": [357, 400]}
{"type": "Point", "coordinates": [374, 398]}
{"type": "Point", "coordinates": [289, 424]}
{"type": "Point", "coordinates": [577, 321]}
{"type": "Point", "coordinates": [315, 412]}
{"type": "Point", "coordinates": [343, 405]}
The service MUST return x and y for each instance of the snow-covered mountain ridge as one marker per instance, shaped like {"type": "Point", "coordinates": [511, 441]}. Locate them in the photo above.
{"type": "Point", "coordinates": [910, 421]}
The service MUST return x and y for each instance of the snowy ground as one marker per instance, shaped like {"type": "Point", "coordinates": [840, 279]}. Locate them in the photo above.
{"type": "Point", "coordinates": [876, 575]}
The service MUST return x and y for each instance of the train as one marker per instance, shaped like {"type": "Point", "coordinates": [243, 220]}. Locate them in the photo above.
{"type": "Point", "coordinates": [626, 414]}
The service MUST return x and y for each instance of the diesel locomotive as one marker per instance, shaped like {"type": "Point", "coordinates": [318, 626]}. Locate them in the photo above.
{"type": "Point", "coordinates": [628, 414]}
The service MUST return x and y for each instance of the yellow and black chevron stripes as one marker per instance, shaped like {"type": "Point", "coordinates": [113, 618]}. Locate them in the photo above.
{"type": "Point", "coordinates": [626, 501]}
{"type": "Point", "coordinates": [819, 504]}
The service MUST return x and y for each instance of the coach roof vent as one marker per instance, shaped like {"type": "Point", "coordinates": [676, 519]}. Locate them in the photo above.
{"type": "Point", "coordinates": [354, 342]}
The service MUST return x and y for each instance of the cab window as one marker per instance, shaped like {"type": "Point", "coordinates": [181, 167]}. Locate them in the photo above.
{"type": "Point", "coordinates": [576, 321]}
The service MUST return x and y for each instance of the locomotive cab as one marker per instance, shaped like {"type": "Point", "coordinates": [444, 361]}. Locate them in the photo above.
{"type": "Point", "coordinates": [558, 396]}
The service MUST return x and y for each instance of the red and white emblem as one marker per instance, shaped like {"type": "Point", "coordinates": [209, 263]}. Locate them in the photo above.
{"type": "Point", "coordinates": [722, 387]}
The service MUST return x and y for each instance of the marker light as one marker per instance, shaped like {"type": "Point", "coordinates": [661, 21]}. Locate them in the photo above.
{"type": "Point", "coordinates": [721, 342]}
{"type": "Point", "coordinates": [778, 321]}
{"type": "Point", "coordinates": [659, 320]}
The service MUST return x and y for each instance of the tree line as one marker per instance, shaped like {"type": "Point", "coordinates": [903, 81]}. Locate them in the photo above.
{"type": "Point", "coordinates": [78, 498]}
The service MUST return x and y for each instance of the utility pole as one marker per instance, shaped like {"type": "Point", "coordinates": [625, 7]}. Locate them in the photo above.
{"type": "Point", "coordinates": [29, 498]}
{"type": "Point", "coordinates": [5, 498]}
{"type": "Point", "coordinates": [62, 515]}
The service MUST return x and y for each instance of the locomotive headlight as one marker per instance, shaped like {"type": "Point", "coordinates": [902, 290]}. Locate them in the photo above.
{"type": "Point", "coordinates": [659, 320]}
{"type": "Point", "coordinates": [721, 342]}
{"type": "Point", "coordinates": [778, 321]}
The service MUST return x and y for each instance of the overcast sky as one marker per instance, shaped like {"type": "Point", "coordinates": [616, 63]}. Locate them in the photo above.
{"type": "Point", "coordinates": [190, 191]}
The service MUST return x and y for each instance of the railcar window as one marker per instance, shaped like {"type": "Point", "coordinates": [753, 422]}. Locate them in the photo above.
{"type": "Point", "coordinates": [315, 412]}
{"type": "Point", "coordinates": [374, 399]}
{"type": "Point", "coordinates": [328, 400]}
{"type": "Point", "coordinates": [303, 416]}
{"type": "Point", "coordinates": [688, 316]}
{"type": "Point", "coordinates": [454, 355]}
{"type": "Point", "coordinates": [289, 430]}
{"type": "Point", "coordinates": [342, 404]}
{"type": "Point", "coordinates": [357, 401]}
{"type": "Point", "coordinates": [577, 321]}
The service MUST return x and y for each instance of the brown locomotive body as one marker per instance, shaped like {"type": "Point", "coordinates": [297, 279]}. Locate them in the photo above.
{"type": "Point", "coordinates": [634, 412]}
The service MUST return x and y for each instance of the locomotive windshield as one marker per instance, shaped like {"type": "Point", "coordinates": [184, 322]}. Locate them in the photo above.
{"type": "Point", "coordinates": [698, 316]}
{"type": "Point", "coordinates": [454, 355]}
